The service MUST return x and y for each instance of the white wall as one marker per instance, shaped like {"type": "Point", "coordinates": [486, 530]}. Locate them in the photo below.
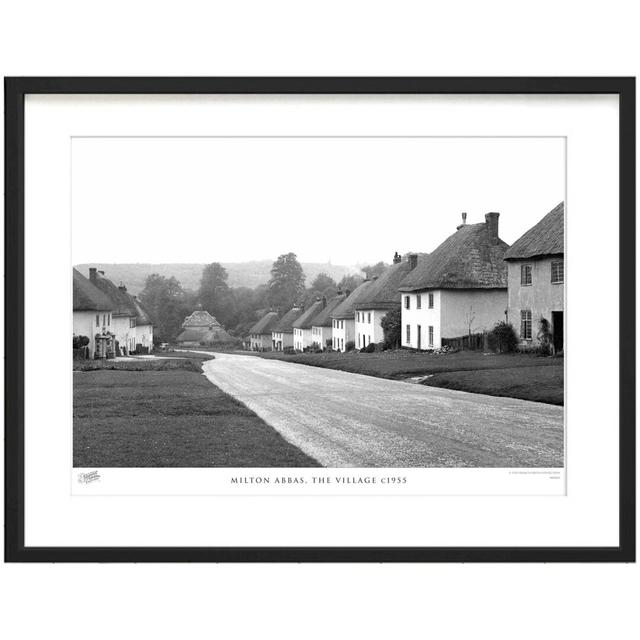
{"type": "Point", "coordinates": [320, 335]}
{"type": "Point", "coordinates": [474, 310]}
{"type": "Point", "coordinates": [144, 335]}
{"type": "Point", "coordinates": [261, 342]}
{"type": "Point", "coordinates": [84, 324]}
{"type": "Point", "coordinates": [423, 317]}
{"type": "Point", "coordinates": [343, 331]}
{"type": "Point", "coordinates": [285, 338]}
{"type": "Point", "coordinates": [541, 297]}
{"type": "Point", "coordinates": [369, 327]}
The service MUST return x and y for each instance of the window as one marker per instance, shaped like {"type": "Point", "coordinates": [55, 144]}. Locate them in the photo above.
{"type": "Point", "coordinates": [407, 304]}
{"type": "Point", "coordinates": [408, 334]}
{"type": "Point", "coordinates": [431, 301]}
{"type": "Point", "coordinates": [525, 275]}
{"type": "Point", "coordinates": [418, 301]}
{"type": "Point", "coordinates": [97, 320]}
{"type": "Point", "coordinates": [342, 324]}
{"type": "Point", "coordinates": [132, 323]}
{"type": "Point", "coordinates": [525, 325]}
{"type": "Point", "coordinates": [557, 272]}
{"type": "Point", "coordinates": [430, 336]}
{"type": "Point", "coordinates": [369, 317]}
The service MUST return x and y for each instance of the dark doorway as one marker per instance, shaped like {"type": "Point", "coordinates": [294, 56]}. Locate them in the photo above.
{"type": "Point", "coordinates": [558, 330]}
{"type": "Point", "coordinates": [419, 337]}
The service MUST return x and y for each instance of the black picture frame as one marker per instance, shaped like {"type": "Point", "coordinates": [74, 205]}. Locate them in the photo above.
{"type": "Point", "coordinates": [15, 91]}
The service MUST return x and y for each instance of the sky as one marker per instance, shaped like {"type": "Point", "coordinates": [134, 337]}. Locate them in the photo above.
{"type": "Point", "coordinates": [345, 200]}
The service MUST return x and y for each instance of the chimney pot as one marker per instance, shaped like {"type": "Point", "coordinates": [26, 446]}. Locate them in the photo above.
{"type": "Point", "coordinates": [491, 219]}
{"type": "Point", "coordinates": [397, 258]}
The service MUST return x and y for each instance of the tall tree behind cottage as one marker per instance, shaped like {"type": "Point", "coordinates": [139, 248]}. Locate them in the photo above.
{"type": "Point", "coordinates": [286, 287]}
{"type": "Point", "coordinates": [214, 294]}
{"type": "Point", "coordinates": [168, 303]}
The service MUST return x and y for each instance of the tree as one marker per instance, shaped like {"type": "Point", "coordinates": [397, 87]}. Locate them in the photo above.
{"type": "Point", "coordinates": [214, 294]}
{"type": "Point", "coordinates": [392, 326]}
{"type": "Point", "coordinates": [503, 338]}
{"type": "Point", "coordinates": [323, 285]}
{"type": "Point", "coordinates": [286, 287]}
{"type": "Point", "coordinates": [373, 270]}
{"type": "Point", "coordinates": [350, 282]}
{"type": "Point", "coordinates": [168, 304]}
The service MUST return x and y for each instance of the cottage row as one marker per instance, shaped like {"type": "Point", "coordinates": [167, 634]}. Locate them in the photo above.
{"type": "Point", "coordinates": [115, 322]}
{"type": "Point", "coordinates": [468, 284]}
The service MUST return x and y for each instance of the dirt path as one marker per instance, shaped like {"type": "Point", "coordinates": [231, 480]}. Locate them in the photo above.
{"type": "Point", "coordinates": [350, 420]}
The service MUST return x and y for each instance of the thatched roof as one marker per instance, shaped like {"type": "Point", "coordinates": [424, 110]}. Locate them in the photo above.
{"type": "Point", "coordinates": [347, 307]}
{"type": "Point", "coordinates": [265, 324]}
{"type": "Point", "coordinates": [323, 319]}
{"type": "Point", "coordinates": [544, 239]}
{"type": "Point", "coordinates": [305, 320]}
{"type": "Point", "coordinates": [142, 315]}
{"type": "Point", "coordinates": [215, 334]}
{"type": "Point", "coordinates": [383, 292]}
{"type": "Point", "coordinates": [123, 302]}
{"type": "Point", "coordinates": [471, 258]}
{"type": "Point", "coordinates": [87, 297]}
{"type": "Point", "coordinates": [285, 324]}
{"type": "Point", "coordinates": [200, 318]}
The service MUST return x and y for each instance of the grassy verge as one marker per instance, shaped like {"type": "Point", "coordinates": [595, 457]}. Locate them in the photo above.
{"type": "Point", "coordinates": [143, 364]}
{"type": "Point", "coordinates": [514, 375]}
{"type": "Point", "coordinates": [169, 418]}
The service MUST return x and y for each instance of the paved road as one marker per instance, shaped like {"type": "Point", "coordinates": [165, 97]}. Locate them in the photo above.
{"type": "Point", "coordinates": [350, 420]}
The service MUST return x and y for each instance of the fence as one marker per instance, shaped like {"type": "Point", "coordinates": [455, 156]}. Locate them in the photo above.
{"type": "Point", "coordinates": [471, 342]}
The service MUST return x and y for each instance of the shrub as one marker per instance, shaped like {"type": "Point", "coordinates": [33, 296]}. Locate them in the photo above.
{"type": "Point", "coordinates": [392, 326]}
{"type": "Point", "coordinates": [545, 336]}
{"type": "Point", "coordinates": [288, 350]}
{"type": "Point", "coordinates": [350, 345]}
{"type": "Point", "coordinates": [329, 343]}
{"type": "Point", "coordinates": [503, 338]}
{"type": "Point", "coordinates": [370, 348]}
{"type": "Point", "coordinates": [80, 341]}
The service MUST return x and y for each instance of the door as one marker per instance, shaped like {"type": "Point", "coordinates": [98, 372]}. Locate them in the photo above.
{"type": "Point", "coordinates": [557, 319]}
{"type": "Point", "coordinates": [419, 337]}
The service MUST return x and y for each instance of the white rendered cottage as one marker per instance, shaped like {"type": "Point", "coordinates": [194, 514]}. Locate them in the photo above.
{"type": "Point", "coordinates": [343, 316]}
{"type": "Point", "coordinates": [303, 326]}
{"type": "Point", "coordinates": [380, 298]}
{"type": "Point", "coordinates": [536, 280]}
{"type": "Point", "coordinates": [282, 334]}
{"type": "Point", "coordinates": [128, 312]}
{"type": "Point", "coordinates": [322, 327]}
{"type": "Point", "coordinates": [93, 317]}
{"type": "Point", "coordinates": [260, 335]}
{"type": "Point", "coordinates": [459, 289]}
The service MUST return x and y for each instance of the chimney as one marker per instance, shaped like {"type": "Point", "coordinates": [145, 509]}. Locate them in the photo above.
{"type": "Point", "coordinates": [347, 292]}
{"type": "Point", "coordinates": [93, 276]}
{"type": "Point", "coordinates": [492, 224]}
{"type": "Point", "coordinates": [464, 221]}
{"type": "Point", "coordinates": [324, 301]}
{"type": "Point", "coordinates": [412, 259]}
{"type": "Point", "coordinates": [397, 258]}
{"type": "Point", "coordinates": [122, 288]}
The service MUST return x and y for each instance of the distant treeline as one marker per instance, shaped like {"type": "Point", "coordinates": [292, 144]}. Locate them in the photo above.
{"type": "Point", "coordinates": [236, 307]}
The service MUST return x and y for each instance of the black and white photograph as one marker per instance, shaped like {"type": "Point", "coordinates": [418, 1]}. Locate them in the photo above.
{"type": "Point", "coordinates": [359, 302]}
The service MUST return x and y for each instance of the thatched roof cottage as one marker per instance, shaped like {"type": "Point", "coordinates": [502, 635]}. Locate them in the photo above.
{"type": "Point", "coordinates": [202, 329]}
{"type": "Point", "coordinates": [379, 299]}
{"type": "Point", "coordinates": [302, 327]}
{"type": "Point", "coordinates": [321, 328]}
{"type": "Point", "coordinates": [343, 317]}
{"type": "Point", "coordinates": [536, 280]}
{"type": "Point", "coordinates": [132, 324]}
{"type": "Point", "coordinates": [282, 334]}
{"type": "Point", "coordinates": [459, 289]}
{"type": "Point", "coordinates": [93, 316]}
{"type": "Point", "coordinates": [260, 333]}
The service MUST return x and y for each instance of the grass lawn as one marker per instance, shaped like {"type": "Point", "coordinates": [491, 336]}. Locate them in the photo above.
{"type": "Point", "coordinates": [170, 418]}
{"type": "Point", "coordinates": [516, 375]}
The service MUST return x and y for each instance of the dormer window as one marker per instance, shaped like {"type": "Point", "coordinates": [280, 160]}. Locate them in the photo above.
{"type": "Point", "coordinates": [525, 275]}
